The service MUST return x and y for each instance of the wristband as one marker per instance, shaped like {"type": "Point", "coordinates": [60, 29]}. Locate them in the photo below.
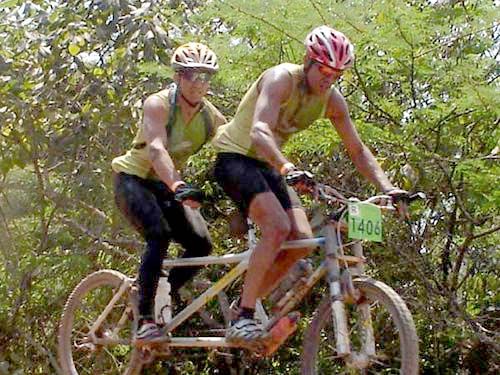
{"type": "Point", "coordinates": [176, 184]}
{"type": "Point", "coordinates": [285, 168]}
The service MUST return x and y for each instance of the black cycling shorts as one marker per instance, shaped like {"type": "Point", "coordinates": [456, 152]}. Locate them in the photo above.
{"type": "Point", "coordinates": [242, 178]}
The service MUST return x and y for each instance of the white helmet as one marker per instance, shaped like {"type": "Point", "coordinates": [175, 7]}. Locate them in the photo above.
{"type": "Point", "coordinates": [329, 47]}
{"type": "Point", "coordinates": [194, 55]}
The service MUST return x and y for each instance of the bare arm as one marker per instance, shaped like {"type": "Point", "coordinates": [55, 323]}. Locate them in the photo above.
{"type": "Point", "coordinates": [219, 118]}
{"type": "Point", "coordinates": [275, 88]}
{"type": "Point", "coordinates": [360, 155]}
{"type": "Point", "coordinates": [155, 119]}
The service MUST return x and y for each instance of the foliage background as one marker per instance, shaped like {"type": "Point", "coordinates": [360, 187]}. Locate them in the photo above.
{"type": "Point", "coordinates": [423, 94]}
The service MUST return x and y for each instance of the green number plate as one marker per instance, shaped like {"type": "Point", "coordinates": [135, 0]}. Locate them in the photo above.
{"type": "Point", "coordinates": [365, 222]}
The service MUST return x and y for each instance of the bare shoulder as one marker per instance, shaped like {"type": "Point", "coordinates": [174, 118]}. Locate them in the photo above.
{"type": "Point", "coordinates": [155, 116]}
{"type": "Point", "coordinates": [154, 103]}
{"type": "Point", "coordinates": [276, 82]}
{"type": "Point", "coordinates": [336, 105]}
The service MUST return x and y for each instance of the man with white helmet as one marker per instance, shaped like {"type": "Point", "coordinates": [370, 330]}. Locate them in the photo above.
{"type": "Point", "coordinates": [251, 168]}
{"type": "Point", "coordinates": [148, 187]}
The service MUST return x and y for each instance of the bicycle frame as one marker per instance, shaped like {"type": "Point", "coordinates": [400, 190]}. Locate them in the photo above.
{"type": "Point", "coordinates": [343, 301]}
{"type": "Point", "coordinates": [330, 266]}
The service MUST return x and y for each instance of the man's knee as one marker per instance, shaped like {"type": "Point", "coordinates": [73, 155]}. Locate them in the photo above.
{"type": "Point", "coordinates": [277, 231]}
{"type": "Point", "coordinates": [300, 234]}
{"type": "Point", "coordinates": [267, 212]}
{"type": "Point", "coordinates": [157, 234]}
{"type": "Point", "coordinates": [301, 229]}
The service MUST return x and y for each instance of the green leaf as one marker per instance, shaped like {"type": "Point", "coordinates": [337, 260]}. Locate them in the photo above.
{"type": "Point", "coordinates": [74, 49]}
{"type": "Point", "coordinates": [8, 3]}
{"type": "Point", "coordinates": [98, 72]}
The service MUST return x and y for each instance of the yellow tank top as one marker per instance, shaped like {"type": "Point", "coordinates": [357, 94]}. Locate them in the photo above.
{"type": "Point", "coordinates": [296, 114]}
{"type": "Point", "coordinates": [183, 139]}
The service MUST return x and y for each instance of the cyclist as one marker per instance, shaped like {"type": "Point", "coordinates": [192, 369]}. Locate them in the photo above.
{"type": "Point", "coordinates": [148, 188]}
{"type": "Point", "coordinates": [250, 167]}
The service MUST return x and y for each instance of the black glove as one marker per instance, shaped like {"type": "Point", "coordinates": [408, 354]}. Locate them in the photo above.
{"type": "Point", "coordinates": [295, 177]}
{"type": "Point", "coordinates": [188, 192]}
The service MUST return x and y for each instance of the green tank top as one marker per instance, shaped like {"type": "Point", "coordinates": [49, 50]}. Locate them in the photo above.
{"type": "Point", "coordinates": [296, 114]}
{"type": "Point", "coordinates": [183, 140]}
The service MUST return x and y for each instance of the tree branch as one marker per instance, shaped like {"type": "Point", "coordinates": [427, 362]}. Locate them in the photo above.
{"type": "Point", "coordinates": [449, 117]}
{"type": "Point", "coordinates": [41, 349]}
{"type": "Point", "coordinates": [489, 231]}
{"type": "Point", "coordinates": [367, 96]}
{"type": "Point", "coordinates": [315, 6]}
{"type": "Point", "coordinates": [412, 66]}
{"type": "Point", "coordinates": [238, 9]}
{"type": "Point", "coordinates": [460, 258]}
{"type": "Point", "coordinates": [111, 244]}
{"type": "Point", "coordinates": [452, 187]}
{"type": "Point", "coordinates": [454, 40]}
{"type": "Point", "coordinates": [445, 260]}
{"type": "Point", "coordinates": [477, 329]}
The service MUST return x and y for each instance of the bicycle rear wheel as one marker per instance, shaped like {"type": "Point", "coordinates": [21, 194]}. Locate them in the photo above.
{"type": "Point", "coordinates": [396, 341]}
{"type": "Point", "coordinates": [110, 351]}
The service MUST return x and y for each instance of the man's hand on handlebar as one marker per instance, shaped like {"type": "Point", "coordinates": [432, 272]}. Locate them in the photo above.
{"type": "Point", "coordinates": [303, 181]}
{"type": "Point", "coordinates": [401, 199]}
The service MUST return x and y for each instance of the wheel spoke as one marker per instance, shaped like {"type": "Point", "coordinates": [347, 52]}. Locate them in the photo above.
{"type": "Point", "coordinates": [396, 344]}
{"type": "Point", "coordinates": [110, 350]}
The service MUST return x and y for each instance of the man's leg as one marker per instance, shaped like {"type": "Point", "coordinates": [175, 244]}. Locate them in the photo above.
{"type": "Point", "coordinates": [300, 229]}
{"type": "Point", "coordinates": [267, 213]}
{"type": "Point", "coordinates": [243, 179]}
{"type": "Point", "coordinates": [140, 206]}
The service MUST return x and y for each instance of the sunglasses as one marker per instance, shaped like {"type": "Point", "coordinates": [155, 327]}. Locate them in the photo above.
{"type": "Point", "coordinates": [193, 76]}
{"type": "Point", "coordinates": [328, 71]}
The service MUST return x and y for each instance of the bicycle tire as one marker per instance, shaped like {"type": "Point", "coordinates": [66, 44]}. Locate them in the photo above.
{"type": "Point", "coordinates": [377, 293]}
{"type": "Point", "coordinates": [122, 358]}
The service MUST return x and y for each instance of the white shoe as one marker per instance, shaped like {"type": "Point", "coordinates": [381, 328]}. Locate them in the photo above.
{"type": "Point", "coordinates": [248, 333]}
{"type": "Point", "coordinates": [148, 333]}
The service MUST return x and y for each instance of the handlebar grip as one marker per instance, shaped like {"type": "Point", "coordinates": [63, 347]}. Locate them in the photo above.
{"type": "Point", "coordinates": [296, 176]}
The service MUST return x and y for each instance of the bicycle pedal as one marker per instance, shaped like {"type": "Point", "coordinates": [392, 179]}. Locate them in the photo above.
{"type": "Point", "coordinates": [257, 347]}
{"type": "Point", "coordinates": [162, 352]}
{"type": "Point", "coordinates": [152, 343]}
{"type": "Point", "coordinates": [146, 355]}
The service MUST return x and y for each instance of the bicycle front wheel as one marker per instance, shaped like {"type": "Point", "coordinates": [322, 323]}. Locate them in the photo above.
{"type": "Point", "coordinates": [107, 348]}
{"type": "Point", "coordinates": [394, 335]}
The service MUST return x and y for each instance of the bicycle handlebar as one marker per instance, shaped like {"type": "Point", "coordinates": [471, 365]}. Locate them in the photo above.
{"type": "Point", "coordinates": [331, 194]}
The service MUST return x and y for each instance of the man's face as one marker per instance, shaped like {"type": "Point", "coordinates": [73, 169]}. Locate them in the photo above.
{"type": "Point", "coordinates": [321, 77]}
{"type": "Point", "coordinates": [194, 84]}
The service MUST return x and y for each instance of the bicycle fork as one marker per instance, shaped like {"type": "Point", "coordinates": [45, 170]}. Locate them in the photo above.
{"type": "Point", "coordinates": [339, 316]}
{"type": "Point", "coordinates": [340, 287]}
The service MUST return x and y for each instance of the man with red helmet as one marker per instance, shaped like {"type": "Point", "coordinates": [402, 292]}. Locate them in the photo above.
{"type": "Point", "coordinates": [251, 168]}
{"type": "Point", "coordinates": [148, 187]}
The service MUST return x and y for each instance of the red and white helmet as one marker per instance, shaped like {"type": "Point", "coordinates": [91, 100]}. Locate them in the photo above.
{"type": "Point", "coordinates": [329, 47]}
{"type": "Point", "coordinates": [194, 55]}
